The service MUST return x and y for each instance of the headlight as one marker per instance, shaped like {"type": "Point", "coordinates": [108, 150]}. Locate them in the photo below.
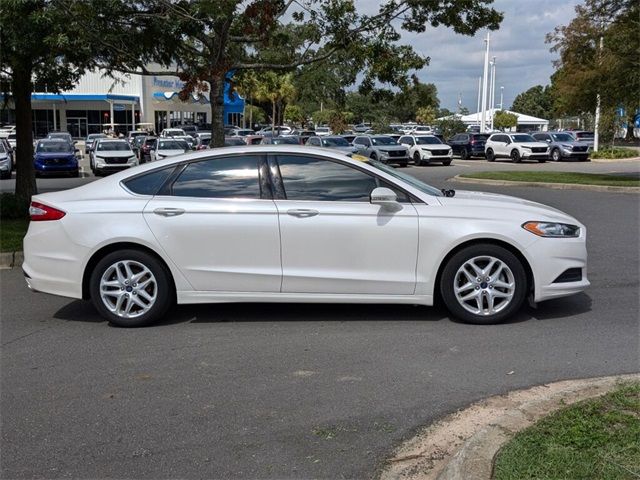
{"type": "Point", "coordinates": [557, 230]}
{"type": "Point", "coordinates": [427, 151]}
{"type": "Point", "coordinates": [526, 146]}
{"type": "Point", "coordinates": [567, 147]}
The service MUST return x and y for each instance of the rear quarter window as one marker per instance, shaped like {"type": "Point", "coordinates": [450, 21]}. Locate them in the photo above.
{"type": "Point", "coordinates": [148, 183]}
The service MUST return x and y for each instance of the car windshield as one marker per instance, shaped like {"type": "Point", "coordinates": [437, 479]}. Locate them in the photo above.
{"type": "Point", "coordinates": [334, 142]}
{"type": "Point", "coordinates": [284, 141]}
{"type": "Point", "coordinates": [562, 137]}
{"type": "Point", "coordinates": [172, 145]}
{"type": "Point", "coordinates": [428, 141]}
{"type": "Point", "coordinates": [585, 135]}
{"type": "Point", "coordinates": [322, 129]}
{"type": "Point", "coordinates": [2, 150]}
{"type": "Point", "coordinates": [523, 138]}
{"type": "Point", "coordinates": [62, 136]}
{"type": "Point", "coordinates": [93, 136]}
{"type": "Point", "coordinates": [113, 146]}
{"type": "Point", "coordinates": [383, 141]}
{"type": "Point", "coordinates": [53, 147]}
{"type": "Point", "coordinates": [414, 182]}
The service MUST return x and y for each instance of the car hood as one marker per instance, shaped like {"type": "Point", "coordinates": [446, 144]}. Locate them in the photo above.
{"type": "Point", "coordinates": [499, 203]}
{"type": "Point", "coordinates": [390, 148]}
{"type": "Point", "coordinates": [54, 154]}
{"type": "Point", "coordinates": [535, 144]}
{"type": "Point", "coordinates": [169, 153]}
{"type": "Point", "coordinates": [113, 153]}
{"type": "Point", "coordinates": [430, 146]}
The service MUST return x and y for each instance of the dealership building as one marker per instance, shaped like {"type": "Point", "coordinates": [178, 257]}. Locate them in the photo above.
{"type": "Point", "coordinates": [99, 103]}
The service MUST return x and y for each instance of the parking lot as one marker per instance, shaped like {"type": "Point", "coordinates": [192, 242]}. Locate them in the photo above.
{"type": "Point", "coordinates": [296, 391]}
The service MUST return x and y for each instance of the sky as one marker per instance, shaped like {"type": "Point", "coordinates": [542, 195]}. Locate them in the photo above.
{"type": "Point", "coordinates": [522, 56]}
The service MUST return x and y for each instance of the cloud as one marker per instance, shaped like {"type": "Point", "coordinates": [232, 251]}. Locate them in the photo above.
{"type": "Point", "coordinates": [522, 56]}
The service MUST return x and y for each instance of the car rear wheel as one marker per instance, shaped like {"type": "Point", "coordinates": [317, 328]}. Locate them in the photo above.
{"type": "Point", "coordinates": [515, 156]}
{"type": "Point", "coordinates": [464, 154]}
{"type": "Point", "coordinates": [131, 288]}
{"type": "Point", "coordinates": [555, 155]}
{"type": "Point", "coordinates": [490, 155]}
{"type": "Point", "coordinates": [483, 284]}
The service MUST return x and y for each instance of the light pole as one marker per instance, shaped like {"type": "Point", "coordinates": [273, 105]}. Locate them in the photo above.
{"type": "Point", "coordinates": [478, 110]}
{"type": "Point", "coordinates": [485, 73]}
{"type": "Point", "coordinates": [501, 96]}
{"type": "Point", "coordinates": [597, 125]}
{"type": "Point", "coordinates": [492, 93]}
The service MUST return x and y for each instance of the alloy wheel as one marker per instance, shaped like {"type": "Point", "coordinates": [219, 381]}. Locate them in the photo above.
{"type": "Point", "coordinates": [128, 289]}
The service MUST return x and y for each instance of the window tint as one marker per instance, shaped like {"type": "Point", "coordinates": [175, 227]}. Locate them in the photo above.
{"type": "Point", "coordinates": [149, 183]}
{"type": "Point", "coordinates": [309, 178]}
{"type": "Point", "coordinates": [314, 141]}
{"type": "Point", "coordinates": [233, 177]}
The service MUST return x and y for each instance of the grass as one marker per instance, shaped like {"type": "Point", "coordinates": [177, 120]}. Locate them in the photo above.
{"type": "Point", "coordinates": [11, 234]}
{"type": "Point", "coordinates": [615, 152]}
{"type": "Point", "coordinates": [597, 438]}
{"type": "Point", "coordinates": [560, 177]}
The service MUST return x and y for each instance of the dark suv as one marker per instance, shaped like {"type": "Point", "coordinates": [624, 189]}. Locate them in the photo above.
{"type": "Point", "coordinates": [468, 145]}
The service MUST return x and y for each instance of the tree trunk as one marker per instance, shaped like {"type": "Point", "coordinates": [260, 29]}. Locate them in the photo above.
{"type": "Point", "coordinates": [25, 173]}
{"type": "Point", "coordinates": [216, 99]}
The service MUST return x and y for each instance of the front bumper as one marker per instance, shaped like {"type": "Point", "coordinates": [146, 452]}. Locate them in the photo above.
{"type": "Point", "coordinates": [534, 156]}
{"type": "Point", "coordinates": [551, 258]}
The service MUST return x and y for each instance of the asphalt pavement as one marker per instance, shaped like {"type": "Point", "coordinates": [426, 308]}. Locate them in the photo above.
{"type": "Point", "coordinates": [294, 391]}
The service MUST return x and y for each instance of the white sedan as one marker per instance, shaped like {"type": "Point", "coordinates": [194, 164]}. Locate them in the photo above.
{"type": "Point", "coordinates": [295, 224]}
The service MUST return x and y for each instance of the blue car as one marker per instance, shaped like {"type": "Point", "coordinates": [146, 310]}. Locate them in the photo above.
{"type": "Point", "coordinates": [53, 157]}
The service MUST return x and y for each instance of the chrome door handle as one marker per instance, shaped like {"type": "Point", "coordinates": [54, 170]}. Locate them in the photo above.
{"type": "Point", "coordinates": [302, 212]}
{"type": "Point", "coordinates": [169, 212]}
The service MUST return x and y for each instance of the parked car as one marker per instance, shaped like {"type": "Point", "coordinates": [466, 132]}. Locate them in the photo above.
{"type": "Point", "coordinates": [203, 140]}
{"type": "Point", "coordinates": [144, 154]}
{"type": "Point", "coordinates": [136, 144]}
{"type": "Point", "coordinates": [55, 156]}
{"type": "Point", "coordinates": [191, 130]}
{"type": "Point", "coordinates": [12, 140]}
{"type": "Point", "coordinates": [242, 132]}
{"type": "Point", "coordinates": [426, 149]}
{"type": "Point", "coordinates": [10, 151]}
{"type": "Point", "coordinates": [420, 130]}
{"type": "Point", "coordinates": [111, 155]}
{"type": "Point", "coordinates": [279, 130]}
{"type": "Point", "coordinates": [89, 140]}
{"type": "Point", "coordinates": [188, 139]}
{"type": "Point", "coordinates": [6, 162]}
{"type": "Point", "coordinates": [516, 146]}
{"type": "Point", "coordinates": [167, 147]}
{"type": "Point", "coordinates": [383, 148]}
{"type": "Point", "coordinates": [172, 132]}
{"type": "Point", "coordinates": [282, 140]}
{"type": "Point", "coordinates": [131, 135]}
{"type": "Point", "coordinates": [321, 131]}
{"type": "Point", "coordinates": [253, 139]}
{"type": "Point", "coordinates": [333, 142]}
{"type": "Point", "coordinates": [468, 145]}
{"type": "Point", "coordinates": [349, 137]}
{"type": "Point", "coordinates": [66, 136]}
{"type": "Point", "coordinates": [335, 230]}
{"type": "Point", "coordinates": [563, 146]}
{"type": "Point", "coordinates": [583, 136]}
{"type": "Point", "coordinates": [5, 130]}
{"type": "Point", "coordinates": [234, 142]}
{"type": "Point", "coordinates": [361, 127]}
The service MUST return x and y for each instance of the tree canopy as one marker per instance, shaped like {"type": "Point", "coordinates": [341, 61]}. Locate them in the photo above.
{"type": "Point", "coordinates": [537, 102]}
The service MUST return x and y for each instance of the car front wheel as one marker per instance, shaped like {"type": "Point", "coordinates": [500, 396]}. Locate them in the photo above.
{"type": "Point", "coordinates": [131, 288]}
{"type": "Point", "coordinates": [555, 155]}
{"type": "Point", "coordinates": [515, 156]}
{"type": "Point", "coordinates": [490, 155]}
{"type": "Point", "coordinates": [483, 284]}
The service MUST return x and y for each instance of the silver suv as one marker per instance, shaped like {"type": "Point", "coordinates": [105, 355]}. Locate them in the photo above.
{"type": "Point", "coordinates": [563, 146]}
{"type": "Point", "coordinates": [383, 148]}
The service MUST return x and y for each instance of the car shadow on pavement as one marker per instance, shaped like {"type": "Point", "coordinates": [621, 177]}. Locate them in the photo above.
{"type": "Point", "coordinates": [561, 307]}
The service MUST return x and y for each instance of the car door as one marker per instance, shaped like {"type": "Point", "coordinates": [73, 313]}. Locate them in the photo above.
{"type": "Point", "coordinates": [218, 223]}
{"type": "Point", "coordinates": [334, 241]}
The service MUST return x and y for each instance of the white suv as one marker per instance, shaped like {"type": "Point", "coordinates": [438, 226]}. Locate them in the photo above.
{"type": "Point", "coordinates": [425, 149]}
{"type": "Point", "coordinates": [516, 146]}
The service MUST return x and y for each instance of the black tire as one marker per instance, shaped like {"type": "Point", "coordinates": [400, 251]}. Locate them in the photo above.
{"type": "Point", "coordinates": [416, 159]}
{"type": "Point", "coordinates": [164, 290]}
{"type": "Point", "coordinates": [515, 156]}
{"type": "Point", "coordinates": [556, 156]}
{"type": "Point", "coordinates": [5, 175]}
{"type": "Point", "coordinates": [446, 163]}
{"type": "Point", "coordinates": [448, 283]}
{"type": "Point", "coordinates": [464, 155]}
{"type": "Point", "coordinates": [373, 156]}
{"type": "Point", "coordinates": [490, 156]}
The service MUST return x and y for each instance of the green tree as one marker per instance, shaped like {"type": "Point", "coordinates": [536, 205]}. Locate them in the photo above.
{"type": "Point", "coordinates": [255, 114]}
{"type": "Point", "coordinates": [293, 114]}
{"type": "Point", "coordinates": [450, 126]}
{"type": "Point", "coordinates": [503, 119]}
{"type": "Point", "coordinates": [584, 69]}
{"type": "Point", "coordinates": [537, 102]}
{"type": "Point", "coordinates": [426, 115]}
{"type": "Point", "coordinates": [204, 40]}
{"type": "Point", "coordinates": [275, 88]}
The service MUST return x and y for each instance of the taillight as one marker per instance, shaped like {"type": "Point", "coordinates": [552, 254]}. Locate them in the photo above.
{"type": "Point", "coordinates": [39, 212]}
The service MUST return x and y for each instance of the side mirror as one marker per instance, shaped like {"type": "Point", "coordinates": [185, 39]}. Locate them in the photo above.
{"type": "Point", "coordinates": [386, 198]}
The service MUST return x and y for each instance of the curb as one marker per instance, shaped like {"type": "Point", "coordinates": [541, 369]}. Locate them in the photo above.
{"type": "Point", "coordinates": [11, 259]}
{"type": "Point", "coordinates": [609, 160]}
{"type": "Point", "coordinates": [463, 445]}
{"type": "Point", "coordinates": [557, 186]}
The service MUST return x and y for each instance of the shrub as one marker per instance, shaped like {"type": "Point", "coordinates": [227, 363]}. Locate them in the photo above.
{"type": "Point", "coordinates": [11, 208]}
{"type": "Point", "coordinates": [615, 152]}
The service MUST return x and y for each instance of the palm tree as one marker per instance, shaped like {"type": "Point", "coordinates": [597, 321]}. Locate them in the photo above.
{"type": "Point", "coordinates": [276, 89]}
{"type": "Point", "coordinates": [247, 86]}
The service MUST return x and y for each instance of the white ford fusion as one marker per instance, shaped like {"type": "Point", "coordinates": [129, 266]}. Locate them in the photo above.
{"type": "Point", "coordinates": [295, 224]}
